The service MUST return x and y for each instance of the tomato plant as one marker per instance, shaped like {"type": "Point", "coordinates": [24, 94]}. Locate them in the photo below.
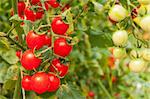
{"type": "Point", "coordinates": [74, 49]}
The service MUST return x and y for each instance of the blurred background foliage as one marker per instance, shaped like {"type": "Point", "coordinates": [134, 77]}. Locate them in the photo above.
{"type": "Point", "coordinates": [89, 70]}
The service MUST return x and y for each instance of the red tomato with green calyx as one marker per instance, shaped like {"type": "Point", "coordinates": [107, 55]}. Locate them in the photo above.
{"type": "Point", "coordinates": [57, 66]}
{"type": "Point", "coordinates": [29, 61]}
{"type": "Point", "coordinates": [61, 47]}
{"type": "Point", "coordinates": [40, 82]}
{"type": "Point", "coordinates": [30, 15]}
{"type": "Point", "coordinates": [26, 83]}
{"type": "Point", "coordinates": [58, 26]}
{"type": "Point", "coordinates": [54, 82]}
{"type": "Point", "coordinates": [53, 3]}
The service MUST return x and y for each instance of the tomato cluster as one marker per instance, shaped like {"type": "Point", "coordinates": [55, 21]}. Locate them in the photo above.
{"type": "Point", "coordinates": [58, 42]}
{"type": "Point", "coordinates": [140, 16]}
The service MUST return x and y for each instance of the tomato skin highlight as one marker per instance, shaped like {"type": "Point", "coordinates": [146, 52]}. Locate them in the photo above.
{"type": "Point", "coordinates": [29, 61]}
{"type": "Point", "coordinates": [57, 66]}
{"type": "Point", "coordinates": [40, 82]}
{"type": "Point", "coordinates": [54, 82]}
{"type": "Point", "coordinates": [61, 47]}
{"type": "Point", "coordinates": [26, 83]}
{"type": "Point", "coordinates": [58, 26]}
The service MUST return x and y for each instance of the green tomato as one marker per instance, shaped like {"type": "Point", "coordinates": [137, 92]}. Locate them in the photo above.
{"type": "Point", "coordinates": [119, 53]}
{"type": "Point", "coordinates": [145, 23]}
{"type": "Point", "coordinates": [135, 53]}
{"type": "Point", "coordinates": [137, 65]}
{"type": "Point", "coordinates": [120, 38]}
{"type": "Point", "coordinates": [146, 54]}
{"type": "Point", "coordinates": [117, 13]}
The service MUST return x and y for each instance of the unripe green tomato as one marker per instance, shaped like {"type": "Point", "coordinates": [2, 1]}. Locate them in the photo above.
{"type": "Point", "coordinates": [146, 54]}
{"type": "Point", "coordinates": [117, 13]}
{"type": "Point", "coordinates": [145, 23]}
{"type": "Point", "coordinates": [137, 65]}
{"type": "Point", "coordinates": [144, 2]}
{"type": "Point", "coordinates": [135, 53]}
{"type": "Point", "coordinates": [120, 38]}
{"type": "Point", "coordinates": [119, 53]}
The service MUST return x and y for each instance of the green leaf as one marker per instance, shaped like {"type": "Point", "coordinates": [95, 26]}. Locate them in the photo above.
{"type": "Point", "coordinates": [69, 91]}
{"type": "Point", "coordinates": [15, 18]}
{"type": "Point", "coordinates": [9, 85]}
{"type": "Point", "coordinates": [9, 55]}
{"type": "Point", "coordinates": [2, 97]}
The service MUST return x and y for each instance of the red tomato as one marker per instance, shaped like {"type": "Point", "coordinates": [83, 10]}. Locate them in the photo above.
{"type": "Point", "coordinates": [54, 82]}
{"type": "Point", "coordinates": [58, 26]}
{"type": "Point", "coordinates": [29, 61]}
{"type": "Point", "coordinates": [61, 68]}
{"type": "Point", "coordinates": [40, 82]}
{"type": "Point", "coordinates": [113, 79]}
{"type": "Point", "coordinates": [21, 7]}
{"type": "Point", "coordinates": [48, 40]}
{"type": "Point", "coordinates": [111, 61]}
{"type": "Point", "coordinates": [34, 2]}
{"type": "Point", "coordinates": [91, 94]}
{"type": "Point", "coordinates": [30, 15]}
{"type": "Point", "coordinates": [34, 40]}
{"type": "Point", "coordinates": [26, 83]}
{"type": "Point", "coordinates": [53, 3]}
{"type": "Point", "coordinates": [18, 53]}
{"type": "Point", "coordinates": [61, 47]}
{"type": "Point", "coordinates": [39, 15]}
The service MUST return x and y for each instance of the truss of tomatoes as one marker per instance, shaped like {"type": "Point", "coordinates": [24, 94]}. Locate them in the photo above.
{"type": "Point", "coordinates": [41, 82]}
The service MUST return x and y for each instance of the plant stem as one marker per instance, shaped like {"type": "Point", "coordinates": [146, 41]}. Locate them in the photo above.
{"type": "Point", "coordinates": [14, 26]}
{"type": "Point", "coordinates": [14, 5]}
{"type": "Point", "coordinates": [104, 89]}
{"type": "Point", "coordinates": [23, 91]}
{"type": "Point", "coordinates": [9, 38]}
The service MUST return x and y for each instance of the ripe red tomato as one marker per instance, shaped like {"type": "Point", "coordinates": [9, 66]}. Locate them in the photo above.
{"type": "Point", "coordinates": [18, 53]}
{"type": "Point", "coordinates": [29, 61]}
{"type": "Point", "coordinates": [21, 7]}
{"type": "Point", "coordinates": [53, 3]}
{"type": "Point", "coordinates": [40, 82]}
{"type": "Point", "coordinates": [91, 94]}
{"type": "Point", "coordinates": [34, 40]}
{"type": "Point", "coordinates": [48, 40]}
{"type": "Point", "coordinates": [39, 15]}
{"type": "Point", "coordinates": [61, 68]}
{"type": "Point", "coordinates": [30, 15]}
{"type": "Point", "coordinates": [58, 26]}
{"type": "Point", "coordinates": [54, 82]}
{"type": "Point", "coordinates": [61, 47]}
{"type": "Point", "coordinates": [26, 83]}
{"type": "Point", "coordinates": [111, 62]}
{"type": "Point", "coordinates": [34, 2]}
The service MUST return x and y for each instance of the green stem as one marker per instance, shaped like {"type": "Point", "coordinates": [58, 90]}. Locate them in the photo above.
{"type": "Point", "coordinates": [14, 5]}
{"type": "Point", "coordinates": [104, 89]}
{"type": "Point", "coordinates": [9, 38]}
{"type": "Point", "coordinates": [12, 28]}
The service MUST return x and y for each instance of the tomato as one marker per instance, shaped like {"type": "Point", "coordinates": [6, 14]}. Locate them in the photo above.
{"type": "Point", "coordinates": [145, 22]}
{"type": "Point", "coordinates": [26, 83]}
{"type": "Point", "coordinates": [58, 26]}
{"type": "Point", "coordinates": [117, 13]}
{"type": "Point", "coordinates": [113, 79]}
{"type": "Point", "coordinates": [54, 82]}
{"type": "Point", "coordinates": [112, 21]}
{"type": "Point", "coordinates": [119, 53]}
{"type": "Point", "coordinates": [29, 61]}
{"type": "Point", "coordinates": [144, 2]}
{"type": "Point", "coordinates": [120, 37]}
{"type": "Point", "coordinates": [34, 2]}
{"type": "Point", "coordinates": [48, 40]}
{"type": "Point", "coordinates": [146, 54]}
{"type": "Point", "coordinates": [91, 94]}
{"type": "Point", "coordinates": [34, 40]}
{"type": "Point", "coordinates": [39, 15]}
{"type": "Point", "coordinates": [40, 82]}
{"type": "Point", "coordinates": [21, 7]}
{"type": "Point", "coordinates": [61, 47]}
{"type": "Point", "coordinates": [53, 3]}
{"type": "Point", "coordinates": [135, 53]}
{"type": "Point", "coordinates": [137, 65]}
{"type": "Point", "coordinates": [18, 53]}
{"type": "Point", "coordinates": [30, 15]}
{"type": "Point", "coordinates": [61, 68]}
